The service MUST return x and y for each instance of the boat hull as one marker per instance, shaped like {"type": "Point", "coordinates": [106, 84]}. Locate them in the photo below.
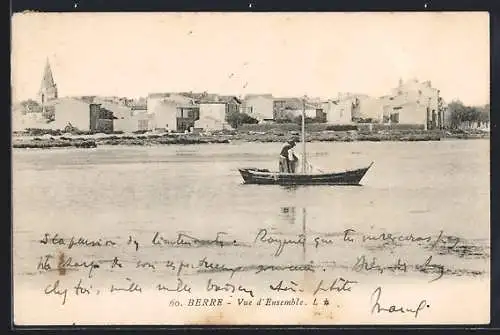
{"type": "Point", "coordinates": [266, 177]}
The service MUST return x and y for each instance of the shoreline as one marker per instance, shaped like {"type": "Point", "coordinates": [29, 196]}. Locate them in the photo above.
{"type": "Point", "coordinates": [94, 140]}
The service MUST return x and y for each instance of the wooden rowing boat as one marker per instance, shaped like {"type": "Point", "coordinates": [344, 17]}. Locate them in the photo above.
{"type": "Point", "coordinates": [305, 177]}
{"type": "Point", "coordinates": [266, 177]}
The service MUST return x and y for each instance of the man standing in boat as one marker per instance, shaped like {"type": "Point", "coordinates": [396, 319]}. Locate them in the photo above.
{"type": "Point", "coordinates": [288, 160]}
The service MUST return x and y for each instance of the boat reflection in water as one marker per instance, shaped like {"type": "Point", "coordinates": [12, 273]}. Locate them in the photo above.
{"type": "Point", "coordinates": [289, 215]}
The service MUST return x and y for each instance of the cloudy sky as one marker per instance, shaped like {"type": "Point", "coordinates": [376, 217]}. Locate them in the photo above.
{"type": "Point", "coordinates": [287, 54]}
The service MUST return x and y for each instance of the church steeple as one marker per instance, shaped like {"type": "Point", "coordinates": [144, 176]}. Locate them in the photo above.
{"type": "Point", "coordinates": [48, 88]}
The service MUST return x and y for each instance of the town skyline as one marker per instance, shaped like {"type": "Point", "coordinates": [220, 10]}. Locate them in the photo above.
{"type": "Point", "coordinates": [110, 63]}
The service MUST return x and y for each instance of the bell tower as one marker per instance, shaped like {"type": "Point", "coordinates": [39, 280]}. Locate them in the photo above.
{"type": "Point", "coordinates": [48, 88]}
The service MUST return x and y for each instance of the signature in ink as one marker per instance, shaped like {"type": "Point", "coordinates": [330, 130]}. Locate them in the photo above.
{"type": "Point", "coordinates": [400, 309]}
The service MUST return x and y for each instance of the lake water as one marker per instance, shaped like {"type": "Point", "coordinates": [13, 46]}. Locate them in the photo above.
{"type": "Point", "coordinates": [113, 192]}
{"type": "Point", "coordinates": [412, 185]}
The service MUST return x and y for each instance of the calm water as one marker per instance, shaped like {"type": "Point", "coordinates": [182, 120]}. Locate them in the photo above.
{"type": "Point", "coordinates": [111, 192]}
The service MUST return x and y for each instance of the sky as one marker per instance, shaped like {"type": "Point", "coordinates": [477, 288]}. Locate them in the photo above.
{"type": "Point", "coordinates": [286, 54]}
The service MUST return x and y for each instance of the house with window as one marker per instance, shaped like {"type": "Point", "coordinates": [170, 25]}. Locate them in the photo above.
{"type": "Point", "coordinates": [171, 111]}
{"type": "Point", "coordinates": [291, 108]}
{"type": "Point", "coordinates": [187, 117]}
{"type": "Point", "coordinates": [213, 112]}
{"type": "Point", "coordinates": [369, 109]}
{"type": "Point", "coordinates": [259, 106]}
{"type": "Point", "coordinates": [415, 102]}
{"type": "Point", "coordinates": [287, 108]}
{"type": "Point", "coordinates": [338, 111]}
{"type": "Point", "coordinates": [233, 103]}
{"type": "Point", "coordinates": [344, 109]}
{"type": "Point", "coordinates": [73, 113]}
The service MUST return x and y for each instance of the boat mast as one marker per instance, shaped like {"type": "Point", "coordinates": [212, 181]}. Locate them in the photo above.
{"type": "Point", "coordinates": [304, 135]}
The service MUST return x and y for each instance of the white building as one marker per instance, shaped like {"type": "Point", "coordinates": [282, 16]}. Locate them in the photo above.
{"type": "Point", "coordinates": [136, 121]}
{"type": "Point", "coordinates": [209, 123]}
{"type": "Point", "coordinates": [127, 120]}
{"type": "Point", "coordinates": [370, 108]}
{"type": "Point", "coordinates": [345, 108]}
{"type": "Point", "coordinates": [338, 112]}
{"type": "Point", "coordinates": [259, 106]}
{"type": "Point", "coordinates": [164, 109]}
{"type": "Point", "coordinates": [70, 112]}
{"type": "Point", "coordinates": [294, 113]}
{"type": "Point", "coordinates": [212, 116]}
{"type": "Point", "coordinates": [79, 114]}
{"type": "Point", "coordinates": [163, 115]}
{"type": "Point", "coordinates": [414, 102]}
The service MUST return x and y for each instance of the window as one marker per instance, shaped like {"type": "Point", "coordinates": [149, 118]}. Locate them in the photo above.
{"type": "Point", "coordinates": [395, 118]}
{"type": "Point", "coordinates": [143, 125]}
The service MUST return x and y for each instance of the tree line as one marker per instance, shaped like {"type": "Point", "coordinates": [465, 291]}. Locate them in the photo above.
{"type": "Point", "coordinates": [460, 113]}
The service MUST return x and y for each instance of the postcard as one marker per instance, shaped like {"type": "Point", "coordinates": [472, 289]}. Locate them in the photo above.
{"type": "Point", "coordinates": [251, 168]}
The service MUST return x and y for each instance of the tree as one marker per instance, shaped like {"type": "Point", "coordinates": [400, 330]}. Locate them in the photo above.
{"type": "Point", "coordinates": [31, 106]}
{"type": "Point", "coordinates": [484, 113]}
{"type": "Point", "coordinates": [457, 112]}
{"type": "Point", "coordinates": [236, 119]}
{"type": "Point", "coordinates": [461, 113]}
